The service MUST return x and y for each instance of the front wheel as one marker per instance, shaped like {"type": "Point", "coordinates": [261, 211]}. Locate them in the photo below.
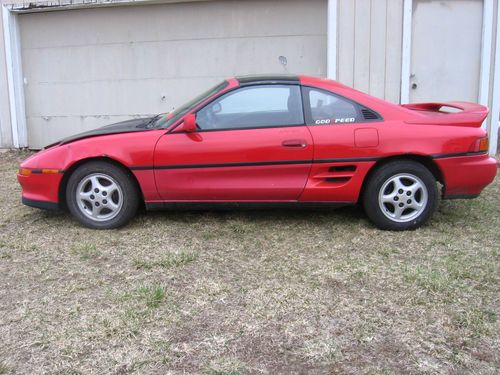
{"type": "Point", "coordinates": [400, 195]}
{"type": "Point", "coordinates": [101, 195]}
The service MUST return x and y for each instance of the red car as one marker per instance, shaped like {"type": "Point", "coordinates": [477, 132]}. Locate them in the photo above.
{"type": "Point", "coordinates": [279, 140]}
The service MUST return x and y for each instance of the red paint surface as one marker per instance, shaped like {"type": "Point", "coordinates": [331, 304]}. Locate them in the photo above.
{"type": "Point", "coordinates": [268, 182]}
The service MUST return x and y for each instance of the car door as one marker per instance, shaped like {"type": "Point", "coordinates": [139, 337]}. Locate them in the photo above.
{"type": "Point", "coordinates": [251, 145]}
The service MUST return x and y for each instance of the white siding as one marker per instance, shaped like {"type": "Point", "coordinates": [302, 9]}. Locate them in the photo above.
{"type": "Point", "coordinates": [5, 126]}
{"type": "Point", "coordinates": [369, 53]}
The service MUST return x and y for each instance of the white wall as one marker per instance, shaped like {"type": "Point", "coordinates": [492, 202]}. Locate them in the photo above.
{"type": "Point", "coordinates": [5, 126]}
{"type": "Point", "coordinates": [369, 46]}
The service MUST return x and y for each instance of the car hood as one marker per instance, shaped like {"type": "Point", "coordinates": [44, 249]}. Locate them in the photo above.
{"type": "Point", "coordinates": [135, 125]}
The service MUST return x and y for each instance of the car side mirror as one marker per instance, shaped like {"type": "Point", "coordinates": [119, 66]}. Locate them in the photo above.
{"type": "Point", "coordinates": [189, 125]}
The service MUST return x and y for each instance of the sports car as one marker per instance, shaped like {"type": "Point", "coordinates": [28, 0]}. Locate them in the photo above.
{"type": "Point", "coordinates": [270, 140]}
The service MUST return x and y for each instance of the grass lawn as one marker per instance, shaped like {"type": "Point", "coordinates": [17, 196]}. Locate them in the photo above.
{"type": "Point", "coordinates": [248, 292]}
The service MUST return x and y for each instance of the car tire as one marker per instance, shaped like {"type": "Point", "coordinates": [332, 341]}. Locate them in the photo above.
{"type": "Point", "coordinates": [101, 195]}
{"type": "Point", "coordinates": [400, 195]}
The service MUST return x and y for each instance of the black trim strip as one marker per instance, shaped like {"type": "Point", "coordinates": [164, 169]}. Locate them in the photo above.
{"type": "Point", "coordinates": [40, 204]}
{"type": "Point", "coordinates": [288, 162]}
{"type": "Point", "coordinates": [452, 155]}
{"type": "Point", "coordinates": [142, 168]}
{"type": "Point", "coordinates": [347, 160]}
{"type": "Point", "coordinates": [179, 205]}
{"type": "Point", "coordinates": [267, 78]}
{"type": "Point", "coordinates": [245, 128]}
{"type": "Point", "coordinates": [461, 196]}
{"type": "Point", "coordinates": [219, 165]}
{"type": "Point", "coordinates": [40, 171]}
{"type": "Point", "coordinates": [253, 164]}
{"type": "Point", "coordinates": [337, 179]}
{"type": "Point", "coordinates": [154, 206]}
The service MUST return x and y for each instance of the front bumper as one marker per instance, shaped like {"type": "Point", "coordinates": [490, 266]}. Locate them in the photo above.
{"type": "Point", "coordinates": [467, 176]}
{"type": "Point", "coordinates": [40, 204]}
{"type": "Point", "coordinates": [41, 190]}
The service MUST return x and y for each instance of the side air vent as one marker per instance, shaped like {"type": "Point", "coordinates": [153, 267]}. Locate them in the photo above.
{"type": "Point", "coordinates": [338, 179]}
{"type": "Point", "coordinates": [369, 114]}
{"type": "Point", "coordinates": [342, 168]}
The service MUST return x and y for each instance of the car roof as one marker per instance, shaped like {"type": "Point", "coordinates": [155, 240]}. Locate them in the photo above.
{"type": "Point", "coordinates": [267, 78]}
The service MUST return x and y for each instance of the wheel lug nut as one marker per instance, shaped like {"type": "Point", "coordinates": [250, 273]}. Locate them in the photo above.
{"type": "Point", "coordinates": [396, 198]}
{"type": "Point", "coordinates": [97, 204]}
{"type": "Point", "coordinates": [408, 193]}
{"type": "Point", "coordinates": [92, 196]}
{"type": "Point", "coordinates": [104, 201]}
{"type": "Point", "coordinates": [401, 204]}
{"type": "Point", "coordinates": [400, 191]}
{"type": "Point", "coordinates": [104, 193]}
{"type": "Point", "coordinates": [408, 201]}
{"type": "Point", "coordinates": [96, 190]}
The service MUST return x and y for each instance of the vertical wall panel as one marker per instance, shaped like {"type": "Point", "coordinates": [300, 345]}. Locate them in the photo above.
{"type": "Point", "coordinates": [378, 48]}
{"type": "Point", "coordinates": [5, 125]}
{"type": "Point", "coordinates": [369, 48]}
{"type": "Point", "coordinates": [393, 53]}
{"type": "Point", "coordinates": [362, 45]}
{"type": "Point", "coordinates": [345, 35]}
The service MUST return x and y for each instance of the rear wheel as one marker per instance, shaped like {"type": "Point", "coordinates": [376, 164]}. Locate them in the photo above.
{"type": "Point", "coordinates": [400, 195]}
{"type": "Point", "coordinates": [101, 195]}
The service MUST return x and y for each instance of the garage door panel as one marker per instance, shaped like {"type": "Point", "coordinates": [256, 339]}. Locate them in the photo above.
{"type": "Point", "coordinates": [143, 95]}
{"type": "Point", "coordinates": [184, 21]}
{"type": "Point", "coordinates": [123, 62]}
{"type": "Point", "coordinates": [138, 97]}
{"type": "Point", "coordinates": [162, 59]}
{"type": "Point", "coordinates": [86, 63]}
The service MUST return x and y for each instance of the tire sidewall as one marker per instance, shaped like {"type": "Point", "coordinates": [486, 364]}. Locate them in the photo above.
{"type": "Point", "coordinates": [380, 176]}
{"type": "Point", "coordinates": [122, 178]}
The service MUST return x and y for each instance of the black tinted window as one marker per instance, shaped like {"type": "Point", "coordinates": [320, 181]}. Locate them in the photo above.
{"type": "Point", "coordinates": [254, 107]}
{"type": "Point", "coordinates": [327, 108]}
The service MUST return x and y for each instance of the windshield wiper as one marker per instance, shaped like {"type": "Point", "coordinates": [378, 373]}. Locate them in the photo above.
{"type": "Point", "coordinates": [151, 123]}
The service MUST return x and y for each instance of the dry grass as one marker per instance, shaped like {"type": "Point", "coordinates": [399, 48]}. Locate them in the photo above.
{"type": "Point", "coordinates": [271, 292]}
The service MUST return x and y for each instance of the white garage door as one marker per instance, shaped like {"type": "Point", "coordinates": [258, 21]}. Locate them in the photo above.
{"type": "Point", "coordinates": [448, 68]}
{"type": "Point", "coordinates": [87, 68]}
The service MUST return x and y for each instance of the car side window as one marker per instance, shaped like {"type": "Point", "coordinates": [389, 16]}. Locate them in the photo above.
{"type": "Point", "coordinates": [326, 108]}
{"type": "Point", "coordinates": [253, 107]}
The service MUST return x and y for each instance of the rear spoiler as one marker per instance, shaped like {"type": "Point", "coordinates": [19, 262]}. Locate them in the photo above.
{"type": "Point", "coordinates": [469, 114]}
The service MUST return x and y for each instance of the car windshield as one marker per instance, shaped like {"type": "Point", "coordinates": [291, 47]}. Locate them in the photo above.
{"type": "Point", "coordinates": [164, 120]}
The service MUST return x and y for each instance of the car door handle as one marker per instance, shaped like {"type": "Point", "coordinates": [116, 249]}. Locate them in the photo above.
{"type": "Point", "coordinates": [300, 143]}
